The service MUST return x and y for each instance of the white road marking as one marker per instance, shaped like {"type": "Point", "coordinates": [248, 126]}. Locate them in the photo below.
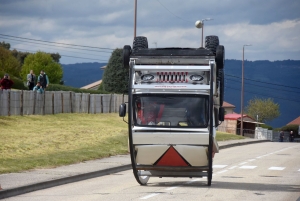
{"type": "Point", "coordinates": [219, 166]}
{"type": "Point", "coordinates": [149, 196]}
{"type": "Point", "coordinates": [276, 168]}
{"type": "Point", "coordinates": [232, 167]}
{"type": "Point", "coordinates": [247, 167]}
{"type": "Point", "coordinates": [299, 170]}
{"type": "Point", "coordinates": [243, 163]}
{"type": "Point", "coordinates": [171, 188]}
{"type": "Point", "coordinates": [252, 160]}
{"type": "Point", "coordinates": [193, 181]}
{"type": "Point", "coordinates": [259, 157]}
{"type": "Point", "coordinates": [222, 171]}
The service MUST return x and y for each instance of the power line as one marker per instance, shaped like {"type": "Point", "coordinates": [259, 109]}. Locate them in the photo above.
{"type": "Point", "coordinates": [68, 56]}
{"type": "Point", "coordinates": [261, 81]}
{"type": "Point", "coordinates": [55, 45]}
{"type": "Point", "coordinates": [55, 49]}
{"type": "Point", "coordinates": [261, 86]}
{"type": "Point", "coordinates": [263, 94]}
{"type": "Point", "coordinates": [171, 12]}
{"type": "Point", "coordinates": [56, 42]}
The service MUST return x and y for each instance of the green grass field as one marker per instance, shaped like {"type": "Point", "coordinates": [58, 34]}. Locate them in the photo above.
{"type": "Point", "coordinates": [29, 142]}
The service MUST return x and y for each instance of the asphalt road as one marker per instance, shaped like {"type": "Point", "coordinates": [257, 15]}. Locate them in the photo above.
{"type": "Point", "coordinates": [264, 171]}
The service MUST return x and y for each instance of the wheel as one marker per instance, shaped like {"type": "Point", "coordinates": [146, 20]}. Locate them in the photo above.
{"type": "Point", "coordinates": [126, 55]}
{"type": "Point", "coordinates": [220, 57]}
{"type": "Point", "coordinates": [211, 43]}
{"type": "Point", "coordinates": [209, 178]}
{"type": "Point", "coordinates": [220, 78]}
{"type": "Point", "coordinates": [140, 42]}
{"type": "Point", "coordinates": [143, 180]}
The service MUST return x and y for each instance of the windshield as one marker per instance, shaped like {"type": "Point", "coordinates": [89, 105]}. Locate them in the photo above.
{"type": "Point", "coordinates": [171, 110]}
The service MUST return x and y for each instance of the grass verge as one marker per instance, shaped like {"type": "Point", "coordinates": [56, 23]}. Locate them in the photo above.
{"type": "Point", "coordinates": [30, 142]}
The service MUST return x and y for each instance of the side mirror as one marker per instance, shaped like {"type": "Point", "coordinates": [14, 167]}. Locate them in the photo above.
{"type": "Point", "coordinates": [221, 114]}
{"type": "Point", "coordinates": [122, 110]}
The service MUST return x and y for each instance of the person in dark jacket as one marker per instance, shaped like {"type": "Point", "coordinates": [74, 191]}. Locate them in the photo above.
{"type": "Point", "coordinates": [43, 80]}
{"type": "Point", "coordinates": [6, 83]}
{"type": "Point", "coordinates": [291, 136]}
{"type": "Point", "coordinates": [281, 136]}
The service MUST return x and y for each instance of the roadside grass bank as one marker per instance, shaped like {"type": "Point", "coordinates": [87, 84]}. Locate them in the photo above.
{"type": "Point", "coordinates": [221, 136]}
{"type": "Point", "coordinates": [29, 142]}
{"type": "Point", "coordinates": [32, 142]}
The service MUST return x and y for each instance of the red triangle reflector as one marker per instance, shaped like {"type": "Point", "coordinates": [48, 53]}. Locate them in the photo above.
{"type": "Point", "coordinates": [171, 158]}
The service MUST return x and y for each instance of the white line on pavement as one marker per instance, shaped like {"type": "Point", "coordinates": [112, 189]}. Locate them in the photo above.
{"type": "Point", "coordinates": [219, 166]}
{"type": "Point", "coordinates": [222, 171]}
{"type": "Point", "coordinates": [232, 167]}
{"type": "Point", "coordinates": [247, 167]}
{"type": "Point", "coordinates": [299, 170]}
{"type": "Point", "coordinates": [149, 196]}
{"type": "Point", "coordinates": [243, 163]}
{"type": "Point", "coordinates": [252, 160]}
{"type": "Point", "coordinates": [171, 188]}
{"type": "Point", "coordinates": [276, 168]}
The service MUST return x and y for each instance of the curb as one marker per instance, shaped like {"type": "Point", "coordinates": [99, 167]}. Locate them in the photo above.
{"type": "Point", "coordinates": [56, 182]}
{"type": "Point", "coordinates": [52, 183]}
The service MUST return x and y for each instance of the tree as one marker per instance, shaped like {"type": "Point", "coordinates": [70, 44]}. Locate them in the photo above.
{"type": "Point", "coordinates": [42, 61]}
{"type": "Point", "coordinates": [5, 45]}
{"type": "Point", "coordinates": [8, 63]}
{"type": "Point", "coordinates": [115, 78]}
{"type": "Point", "coordinates": [20, 55]}
{"type": "Point", "coordinates": [266, 109]}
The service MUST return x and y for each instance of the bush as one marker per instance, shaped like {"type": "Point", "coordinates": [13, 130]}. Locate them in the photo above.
{"type": "Point", "coordinates": [266, 126]}
{"type": "Point", "coordinates": [58, 87]}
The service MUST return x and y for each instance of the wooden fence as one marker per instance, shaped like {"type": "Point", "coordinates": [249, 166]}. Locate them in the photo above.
{"type": "Point", "coordinates": [54, 102]}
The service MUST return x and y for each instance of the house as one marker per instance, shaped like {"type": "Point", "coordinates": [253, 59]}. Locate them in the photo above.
{"type": "Point", "coordinates": [92, 86]}
{"type": "Point", "coordinates": [228, 108]}
{"type": "Point", "coordinates": [295, 122]}
{"type": "Point", "coordinates": [232, 124]}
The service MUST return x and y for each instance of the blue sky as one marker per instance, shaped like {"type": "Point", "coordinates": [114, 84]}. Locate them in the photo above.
{"type": "Point", "coordinates": [271, 26]}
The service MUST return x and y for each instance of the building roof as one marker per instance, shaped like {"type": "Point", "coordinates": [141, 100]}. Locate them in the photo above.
{"type": "Point", "coordinates": [295, 121]}
{"type": "Point", "coordinates": [225, 104]}
{"type": "Point", "coordinates": [236, 116]}
{"type": "Point", "coordinates": [92, 85]}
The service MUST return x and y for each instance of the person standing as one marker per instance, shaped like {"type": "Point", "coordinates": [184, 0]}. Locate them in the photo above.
{"type": "Point", "coordinates": [291, 136]}
{"type": "Point", "coordinates": [30, 80]}
{"type": "Point", "coordinates": [6, 83]}
{"type": "Point", "coordinates": [43, 79]}
{"type": "Point", "coordinates": [281, 136]}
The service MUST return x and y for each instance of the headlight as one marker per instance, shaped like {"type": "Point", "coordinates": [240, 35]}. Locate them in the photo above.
{"type": "Point", "coordinates": [196, 78]}
{"type": "Point", "coordinates": [147, 77]}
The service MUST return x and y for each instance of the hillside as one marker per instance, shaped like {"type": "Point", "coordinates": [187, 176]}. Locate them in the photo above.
{"type": "Point", "coordinates": [264, 79]}
{"type": "Point", "coordinates": [81, 74]}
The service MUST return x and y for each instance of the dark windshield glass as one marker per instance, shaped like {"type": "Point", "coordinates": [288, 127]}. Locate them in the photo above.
{"type": "Point", "coordinates": [171, 111]}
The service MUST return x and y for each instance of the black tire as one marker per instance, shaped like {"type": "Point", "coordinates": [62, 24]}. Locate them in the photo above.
{"type": "Point", "coordinates": [126, 55]}
{"type": "Point", "coordinates": [221, 85]}
{"type": "Point", "coordinates": [140, 42]}
{"type": "Point", "coordinates": [220, 57]}
{"type": "Point", "coordinates": [211, 43]}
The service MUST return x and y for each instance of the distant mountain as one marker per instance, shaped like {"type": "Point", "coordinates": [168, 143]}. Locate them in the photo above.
{"type": "Point", "coordinates": [278, 80]}
{"type": "Point", "coordinates": [263, 79]}
{"type": "Point", "coordinates": [81, 74]}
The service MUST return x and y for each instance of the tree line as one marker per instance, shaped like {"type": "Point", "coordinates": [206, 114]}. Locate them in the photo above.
{"type": "Point", "coordinates": [18, 64]}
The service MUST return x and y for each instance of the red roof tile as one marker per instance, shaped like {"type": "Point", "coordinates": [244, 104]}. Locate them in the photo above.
{"type": "Point", "coordinates": [225, 104]}
{"type": "Point", "coordinates": [295, 121]}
